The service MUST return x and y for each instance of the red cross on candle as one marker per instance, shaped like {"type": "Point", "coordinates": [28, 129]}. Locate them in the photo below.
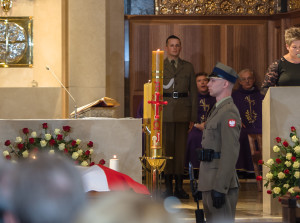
{"type": "Point", "coordinates": [156, 104]}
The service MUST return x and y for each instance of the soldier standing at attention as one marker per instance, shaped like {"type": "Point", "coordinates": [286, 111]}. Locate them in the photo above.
{"type": "Point", "coordinates": [218, 180]}
{"type": "Point", "coordinates": [179, 115]}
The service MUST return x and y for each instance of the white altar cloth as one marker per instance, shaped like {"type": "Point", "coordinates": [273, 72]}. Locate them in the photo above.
{"type": "Point", "coordinates": [121, 137]}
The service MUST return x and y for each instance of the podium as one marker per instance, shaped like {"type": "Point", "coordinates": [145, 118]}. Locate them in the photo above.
{"type": "Point", "coordinates": [280, 112]}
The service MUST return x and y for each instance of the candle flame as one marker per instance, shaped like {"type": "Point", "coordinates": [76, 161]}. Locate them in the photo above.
{"type": "Point", "coordinates": [158, 49]}
{"type": "Point", "coordinates": [115, 156]}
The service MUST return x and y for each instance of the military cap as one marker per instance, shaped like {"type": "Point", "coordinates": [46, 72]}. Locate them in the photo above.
{"type": "Point", "coordinates": [225, 72]}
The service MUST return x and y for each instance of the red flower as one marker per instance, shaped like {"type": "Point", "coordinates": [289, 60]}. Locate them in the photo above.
{"type": "Point", "coordinates": [297, 197]}
{"type": "Point", "coordinates": [87, 152]}
{"type": "Point", "coordinates": [279, 199]}
{"type": "Point", "coordinates": [278, 160]}
{"type": "Point", "coordinates": [278, 139]}
{"type": "Point", "coordinates": [269, 192]}
{"type": "Point", "coordinates": [286, 171]}
{"type": "Point", "coordinates": [259, 178]}
{"type": "Point", "coordinates": [285, 144]}
{"type": "Point", "coordinates": [31, 140]}
{"type": "Point", "coordinates": [293, 129]}
{"type": "Point", "coordinates": [293, 158]}
{"type": "Point", "coordinates": [8, 157]}
{"type": "Point", "coordinates": [67, 128]}
{"type": "Point", "coordinates": [261, 162]}
{"type": "Point", "coordinates": [45, 125]}
{"type": "Point", "coordinates": [52, 142]}
{"type": "Point", "coordinates": [102, 162]}
{"type": "Point", "coordinates": [92, 163]}
{"type": "Point", "coordinates": [26, 131]}
{"type": "Point", "coordinates": [59, 137]}
{"type": "Point", "coordinates": [66, 150]}
{"type": "Point", "coordinates": [20, 146]}
{"type": "Point", "coordinates": [73, 143]}
{"type": "Point", "coordinates": [90, 144]}
{"type": "Point", "coordinates": [7, 143]}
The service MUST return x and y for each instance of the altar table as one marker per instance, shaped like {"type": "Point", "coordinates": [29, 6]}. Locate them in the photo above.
{"type": "Point", "coordinates": [121, 137]}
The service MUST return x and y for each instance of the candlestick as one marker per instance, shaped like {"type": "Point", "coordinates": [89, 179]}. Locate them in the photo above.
{"type": "Point", "coordinates": [114, 163]}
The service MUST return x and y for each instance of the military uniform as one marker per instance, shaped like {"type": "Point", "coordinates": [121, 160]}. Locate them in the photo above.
{"type": "Point", "coordinates": [179, 112]}
{"type": "Point", "coordinates": [180, 92]}
{"type": "Point", "coordinates": [221, 134]}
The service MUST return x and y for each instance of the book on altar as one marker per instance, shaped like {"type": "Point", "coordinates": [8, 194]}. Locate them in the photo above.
{"type": "Point", "coordinates": [103, 103]}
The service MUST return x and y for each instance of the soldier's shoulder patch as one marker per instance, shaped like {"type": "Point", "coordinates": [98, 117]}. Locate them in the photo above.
{"type": "Point", "coordinates": [231, 123]}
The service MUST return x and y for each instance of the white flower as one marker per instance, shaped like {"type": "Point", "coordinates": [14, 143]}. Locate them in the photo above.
{"type": "Point", "coordinates": [33, 134]}
{"type": "Point", "coordinates": [91, 151]}
{"type": "Point", "coordinates": [269, 175]}
{"type": "Point", "coordinates": [270, 162]}
{"type": "Point", "coordinates": [25, 154]}
{"type": "Point", "coordinates": [286, 186]}
{"type": "Point", "coordinates": [276, 190]}
{"type": "Point", "coordinates": [61, 146]}
{"type": "Point", "coordinates": [297, 149]}
{"type": "Point", "coordinates": [296, 164]}
{"type": "Point", "coordinates": [276, 149]}
{"type": "Point", "coordinates": [294, 138]}
{"type": "Point", "coordinates": [78, 141]}
{"type": "Point", "coordinates": [84, 163]}
{"type": "Point", "coordinates": [75, 155]}
{"type": "Point", "coordinates": [5, 153]}
{"type": "Point", "coordinates": [47, 136]}
{"type": "Point", "coordinates": [281, 175]}
{"type": "Point", "coordinates": [56, 131]}
{"type": "Point", "coordinates": [18, 139]}
{"type": "Point", "coordinates": [43, 143]}
{"type": "Point", "coordinates": [51, 151]}
{"type": "Point", "coordinates": [289, 156]}
{"type": "Point", "coordinates": [291, 190]}
{"type": "Point", "coordinates": [79, 152]}
{"type": "Point", "coordinates": [297, 175]}
{"type": "Point", "coordinates": [288, 163]}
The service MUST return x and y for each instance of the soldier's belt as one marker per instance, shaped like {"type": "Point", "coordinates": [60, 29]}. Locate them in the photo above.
{"type": "Point", "coordinates": [176, 94]}
{"type": "Point", "coordinates": [208, 155]}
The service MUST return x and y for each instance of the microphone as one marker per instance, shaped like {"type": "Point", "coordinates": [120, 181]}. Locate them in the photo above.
{"type": "Point", "coordinates": [52, 72]}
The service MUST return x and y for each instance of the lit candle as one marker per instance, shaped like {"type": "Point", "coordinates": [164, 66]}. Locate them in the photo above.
{"type": "Point", "coordinates": [114, 163]}
{"type": "Point", "coordinates": [157, 61]}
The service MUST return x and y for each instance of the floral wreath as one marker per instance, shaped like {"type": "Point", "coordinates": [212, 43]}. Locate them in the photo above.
{"type": "Point", "coordinates": [284, 174]}
{"type": "Point", "coordinates": [59, 141]}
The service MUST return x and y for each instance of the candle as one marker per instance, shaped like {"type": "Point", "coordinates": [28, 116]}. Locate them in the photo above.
{"type": "Point", "coordinates": [114, 163]}
{"type": "Point", "coordinates": [157, 61]}
{"type": "Point", "coordinates": [147, 97]}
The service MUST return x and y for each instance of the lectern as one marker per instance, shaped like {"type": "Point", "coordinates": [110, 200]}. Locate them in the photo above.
{"type": "Point", "coordinates": [280, 111]}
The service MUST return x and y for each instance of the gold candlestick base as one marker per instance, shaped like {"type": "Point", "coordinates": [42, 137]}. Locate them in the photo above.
{"type": "Point", "coordinates": [157, 165]}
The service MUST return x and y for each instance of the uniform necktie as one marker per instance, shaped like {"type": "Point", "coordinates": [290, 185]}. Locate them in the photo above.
{"type": "Point", "coordinates": [211, 110]}
{"type": "Point", "coordinates": [173, 65]}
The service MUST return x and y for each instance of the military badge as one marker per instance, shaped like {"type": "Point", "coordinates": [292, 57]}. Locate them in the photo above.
{"type": "Point", "coordinates": [231, 123]}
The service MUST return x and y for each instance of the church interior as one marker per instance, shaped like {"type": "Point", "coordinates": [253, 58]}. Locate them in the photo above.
{"type": "Point", "coordinates": [78, 52]}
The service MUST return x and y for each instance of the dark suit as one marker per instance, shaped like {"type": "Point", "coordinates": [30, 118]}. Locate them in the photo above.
{"type": "Point", "coordinates": [178, 113]}
{"type": "Point", "coordinates": [221, 134]}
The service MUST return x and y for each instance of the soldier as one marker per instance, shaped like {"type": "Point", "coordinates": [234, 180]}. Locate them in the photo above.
{"type": "Point", "coordinates": [179, 115]}
{"type": "Point", "coordinates": [218, 180]}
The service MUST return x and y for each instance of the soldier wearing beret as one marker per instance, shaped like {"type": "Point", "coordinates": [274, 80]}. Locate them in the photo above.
{"type": "Point", "coordinates": [218, 180]}
{"type": "Point", "coordinates": [179, 115]}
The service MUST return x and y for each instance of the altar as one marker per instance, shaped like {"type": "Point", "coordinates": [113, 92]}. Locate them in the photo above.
{"type": "Point", "coordinates": [121, 137]}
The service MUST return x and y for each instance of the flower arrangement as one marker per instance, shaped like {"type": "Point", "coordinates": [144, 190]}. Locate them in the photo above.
{"type": "Point", "coordinates": [59, 141]}
{"type": "Point", "coordinates": [284, 169]}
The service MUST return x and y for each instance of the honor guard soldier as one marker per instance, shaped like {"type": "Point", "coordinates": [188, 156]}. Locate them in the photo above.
{"type": "Point", "coordinates": [179, 115]}
{"type": "Point", "coordinates": [218, 180]}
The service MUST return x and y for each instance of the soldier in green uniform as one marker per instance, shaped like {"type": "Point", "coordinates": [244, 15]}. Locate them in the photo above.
{"type": "Point", "coordinates": [179, 115]}
{"type": "Point", "coordinates": [218, 180]}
